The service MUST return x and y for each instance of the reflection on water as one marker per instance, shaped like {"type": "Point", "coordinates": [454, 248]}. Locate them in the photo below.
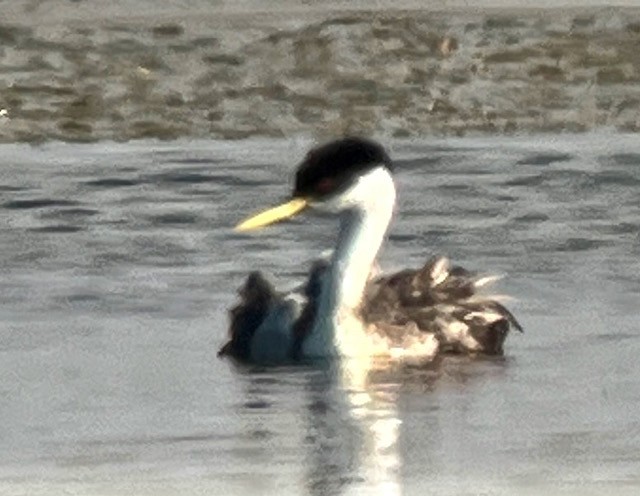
{"type": "Point", "coordinates": [371, 409]}
{"type": "Point", "coordinates": [352, 433]}
{"type": "Point", "coordinates": [119, 263]}
{"type": "Point", "coordinates": [352, 428]}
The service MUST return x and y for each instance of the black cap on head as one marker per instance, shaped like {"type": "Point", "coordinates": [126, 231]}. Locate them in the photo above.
{"type": "Point", "coordinates": [331, 168]}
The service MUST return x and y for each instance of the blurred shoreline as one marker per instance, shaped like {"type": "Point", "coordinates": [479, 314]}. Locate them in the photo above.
{"type": "Point", "coordinates": [224, 69]}
{"type": "Point", "coordinates": [45, 11]}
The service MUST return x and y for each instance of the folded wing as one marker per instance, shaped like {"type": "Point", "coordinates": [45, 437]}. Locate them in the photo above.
{"type": "Point", "coordinates": [443, 300]}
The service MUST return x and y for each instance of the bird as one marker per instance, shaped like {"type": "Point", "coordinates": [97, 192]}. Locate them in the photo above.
{"type": "Point", "coordinates": [346, 308]}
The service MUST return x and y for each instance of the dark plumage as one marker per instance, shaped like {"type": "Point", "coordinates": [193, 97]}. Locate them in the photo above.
{"type": "Point", "coordinates": [257, 296]}
{"type": "Point", "coordinates": [330, 169]}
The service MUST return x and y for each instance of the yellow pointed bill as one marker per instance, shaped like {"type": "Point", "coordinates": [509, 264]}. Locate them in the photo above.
{"type": "Point", "coordinates": [272, 215]}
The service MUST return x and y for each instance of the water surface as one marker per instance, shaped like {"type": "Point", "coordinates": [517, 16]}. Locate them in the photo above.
{"type": "Point", "coordinates": [118, 264]}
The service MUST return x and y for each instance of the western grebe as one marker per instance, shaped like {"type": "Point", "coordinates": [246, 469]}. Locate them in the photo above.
{"type": "Point", "coordinates": [410, 315]}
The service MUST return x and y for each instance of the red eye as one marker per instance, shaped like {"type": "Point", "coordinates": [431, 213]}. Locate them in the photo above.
{"type": "Point", "coordinates": [325, 185]}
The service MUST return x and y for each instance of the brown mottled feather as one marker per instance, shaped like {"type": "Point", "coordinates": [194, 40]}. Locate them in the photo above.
{"type": "Point", "coordinates": [439, 299]}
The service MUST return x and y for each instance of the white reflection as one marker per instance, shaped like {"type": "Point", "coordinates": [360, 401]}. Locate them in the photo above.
{"type": "Point", "coordinates": [374, 407]}
{"type": "Point", "coordinates": [353, 432]}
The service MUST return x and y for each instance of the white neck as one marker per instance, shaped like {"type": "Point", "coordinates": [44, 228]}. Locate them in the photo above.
{"type": "Point", "coordinates": [366, 211]}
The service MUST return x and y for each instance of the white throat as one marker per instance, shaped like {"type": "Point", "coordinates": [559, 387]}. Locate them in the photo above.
{"type": "Point", "coordinates": [365, 213]}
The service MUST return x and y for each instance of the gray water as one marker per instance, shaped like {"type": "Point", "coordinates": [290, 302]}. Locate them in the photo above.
{"type": "Point", "coordinates": [118, 263]}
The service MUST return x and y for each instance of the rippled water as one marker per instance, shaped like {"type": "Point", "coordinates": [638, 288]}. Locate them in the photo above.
{"type": "Point", "coordinates": [118, 264]}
